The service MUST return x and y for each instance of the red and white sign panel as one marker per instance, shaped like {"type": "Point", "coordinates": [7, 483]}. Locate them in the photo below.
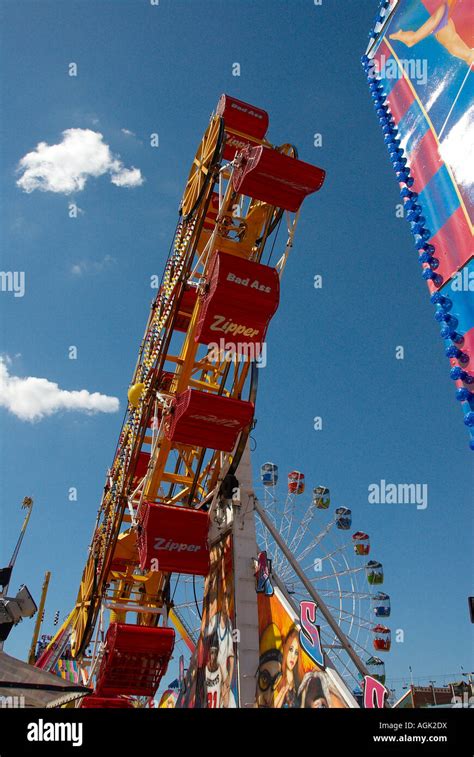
{"type": "Point", "coordinates": [176, 537]}
{"type": "Point", "coordinates": [242, 298]}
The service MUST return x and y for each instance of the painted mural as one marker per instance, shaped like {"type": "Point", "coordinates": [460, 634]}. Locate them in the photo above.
{"type": "Point", "coordinates": [287, 676]}
{"type": "Point", "coordinates": [211, 680]}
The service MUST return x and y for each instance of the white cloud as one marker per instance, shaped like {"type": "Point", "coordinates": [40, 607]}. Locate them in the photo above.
{"type": "Point", "coordinates": [93, 266]}
{"type": "Point", "coordinates": [32, 399]}
{"type": "Point", "coordinates": [128, 133]}
{"type": "Point", "coordinates": [66, 166]}
{"type": "Point", "coordinates": [128, 177]}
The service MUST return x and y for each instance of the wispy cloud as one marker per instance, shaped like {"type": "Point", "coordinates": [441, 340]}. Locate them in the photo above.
{"type": "Point", "coordinates": [84, 267]}
{"type": "Point", "coordinates": [31, 399]}
{"type": "Point", "coordinates": [65, 167]}
{"type": "Point", "coordinates": [127, 177]}
{"type": "Point", "coordinates": [128, 133]}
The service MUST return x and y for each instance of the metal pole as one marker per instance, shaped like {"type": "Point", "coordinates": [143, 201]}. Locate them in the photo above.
{"type": "Point", "coordinates": [28, 503]}
{"type": "Point", "coordinates": [39, 618]}
{"type": "Point", "coordinates": [312, 591]}
{"type": "Point", "coordinates": [244, 543]}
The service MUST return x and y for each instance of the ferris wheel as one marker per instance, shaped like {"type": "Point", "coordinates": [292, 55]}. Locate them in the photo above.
{"type": "Point", "coordinates": [336, 559]}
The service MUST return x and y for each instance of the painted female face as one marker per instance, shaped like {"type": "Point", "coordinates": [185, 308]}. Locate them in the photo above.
{"type": "Point", "coordinates": [292, 656]}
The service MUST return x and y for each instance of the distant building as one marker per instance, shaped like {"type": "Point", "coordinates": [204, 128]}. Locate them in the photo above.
{"type": "Point", "coordinates": [437, 696]}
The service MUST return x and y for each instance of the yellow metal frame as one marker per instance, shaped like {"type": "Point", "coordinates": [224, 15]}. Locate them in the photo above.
{"type": "Point", "coordinates": [115, 537]}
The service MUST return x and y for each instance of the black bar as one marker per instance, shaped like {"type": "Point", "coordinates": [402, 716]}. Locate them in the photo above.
{"type": "Point", "coordinates": [432, 731]}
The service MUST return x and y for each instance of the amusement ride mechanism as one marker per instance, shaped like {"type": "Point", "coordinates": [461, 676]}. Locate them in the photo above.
{"type": "Point", "coordinates": [190, 412]}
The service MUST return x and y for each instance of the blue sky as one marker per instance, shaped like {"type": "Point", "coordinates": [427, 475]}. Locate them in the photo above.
{"type": "Point", "coordinates": [331, 352]}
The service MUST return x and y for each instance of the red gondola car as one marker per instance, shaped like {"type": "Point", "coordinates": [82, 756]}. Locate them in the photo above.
{"type": "Point", "coordinates": [361, 543]}
{"type": "Point", "coordinates": [176, 537]}
{"type": "Point", "coordinates": [135, 659]}
{"type": "Point", "coordinates": [241, 300]}
{"type": "Point", "coordinates": [268, 175]}
{"type": "Point", "coordinates": [295, 482]}
{"type": "Point", "coordinates": [207, 420]}
{"type": "Point", "coordinates": [242, 121]}
{"type": "Point", "coordinates": [382, 638]}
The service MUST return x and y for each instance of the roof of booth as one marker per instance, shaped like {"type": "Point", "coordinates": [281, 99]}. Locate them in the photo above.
{"type": "Point", "coordinates": [38, 687]}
